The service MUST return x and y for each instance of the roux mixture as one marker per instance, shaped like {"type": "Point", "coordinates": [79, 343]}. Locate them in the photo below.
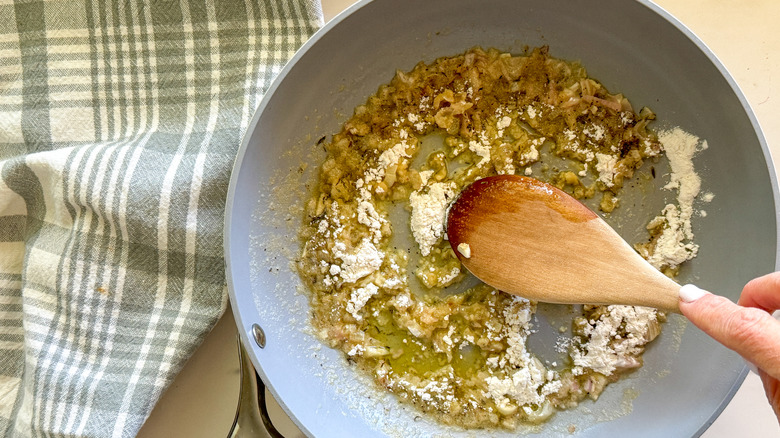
{"type": "Point", "coordinates": [387, 289]}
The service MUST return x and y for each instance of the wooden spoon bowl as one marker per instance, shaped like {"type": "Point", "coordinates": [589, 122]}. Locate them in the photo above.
{"type": "Point", "coordinates": [528, 238]}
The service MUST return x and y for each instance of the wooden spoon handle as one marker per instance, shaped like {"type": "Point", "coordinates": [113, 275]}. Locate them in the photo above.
{"type": "Point", "coordinates": [619, 275]}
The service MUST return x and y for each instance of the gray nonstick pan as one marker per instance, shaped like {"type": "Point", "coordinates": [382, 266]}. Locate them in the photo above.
{"type": "Point", "coordinates": [632, 47]}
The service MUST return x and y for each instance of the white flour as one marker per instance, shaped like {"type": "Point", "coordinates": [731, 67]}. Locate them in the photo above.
{"type": "Point", "coordinates": [362, 262]}
{"type": "Point", "coordinates": [359, 299]}
{"type": "Point", "coordinates": [530, 382]}
{"type": "Point", "coordinates": [428, 212]}
{"type": "Point", "coordinates": [675, 243]}
{"type": "Point", "coordinates": [604, 352]}
{"type": "Point", "coordinates": [606, 165]}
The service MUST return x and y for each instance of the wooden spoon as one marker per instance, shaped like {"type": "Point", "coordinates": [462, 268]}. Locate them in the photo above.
{"type": "Point", "coordinates": [531, 239]}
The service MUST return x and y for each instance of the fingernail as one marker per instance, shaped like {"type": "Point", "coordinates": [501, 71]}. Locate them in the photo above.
{"type": "Point", "coordinates": [690, 293]}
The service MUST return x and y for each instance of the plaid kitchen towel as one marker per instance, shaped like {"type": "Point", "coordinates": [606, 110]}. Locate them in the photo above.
{"type": "Point", "coordinates": [119, 122]}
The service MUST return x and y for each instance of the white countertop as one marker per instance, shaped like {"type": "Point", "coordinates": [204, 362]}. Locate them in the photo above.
{"type": "Point", "coordinates": [202, 400]}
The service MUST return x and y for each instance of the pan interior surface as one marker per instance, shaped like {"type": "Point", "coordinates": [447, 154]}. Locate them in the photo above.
{"type": "Point", "coordinates": [631, 47]}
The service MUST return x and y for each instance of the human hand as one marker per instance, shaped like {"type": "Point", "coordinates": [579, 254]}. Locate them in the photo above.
{"type": "Point", "coordinates": [746, 327]}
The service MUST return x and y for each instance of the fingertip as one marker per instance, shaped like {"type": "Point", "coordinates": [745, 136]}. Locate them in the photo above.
{"type": "Point", "coordinates": [762, 292]}
{"type": "Point", "coordinates": [704, 309]}
{"type": "Point", "coordinates": [690, 293]}
{"type": "Point", "coordinates": [751, 332]}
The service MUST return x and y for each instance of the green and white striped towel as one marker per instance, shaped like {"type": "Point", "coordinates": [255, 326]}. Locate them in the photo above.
{"type": "Point", "coordinates": [119, 122]}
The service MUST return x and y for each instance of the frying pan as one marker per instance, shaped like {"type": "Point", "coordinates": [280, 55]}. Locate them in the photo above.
{"type": "Point", "coordinates": [633, 47]}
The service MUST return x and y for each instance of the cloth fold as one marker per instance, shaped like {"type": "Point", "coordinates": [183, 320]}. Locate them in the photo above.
{"type": "Point", "coordinates": [119, 123]}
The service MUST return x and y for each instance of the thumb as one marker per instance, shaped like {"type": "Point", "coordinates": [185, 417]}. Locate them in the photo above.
{"type": "Point", "coordinates": [751, 332]}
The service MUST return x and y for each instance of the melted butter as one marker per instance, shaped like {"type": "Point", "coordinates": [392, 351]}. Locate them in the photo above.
{"type": "Point", "coordinates": [419, 356]}
{"type": "Point", "coordinates": [468, 360]}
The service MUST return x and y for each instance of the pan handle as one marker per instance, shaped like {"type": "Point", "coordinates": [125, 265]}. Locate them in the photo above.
{"type": "Point", "coordinates": [251, 419]}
